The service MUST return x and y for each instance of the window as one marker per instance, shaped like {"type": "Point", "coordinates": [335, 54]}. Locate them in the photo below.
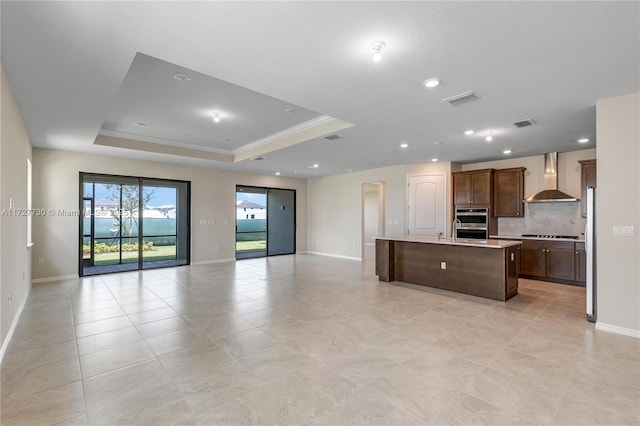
{"type": "Point", "coordinates": [29, 215]}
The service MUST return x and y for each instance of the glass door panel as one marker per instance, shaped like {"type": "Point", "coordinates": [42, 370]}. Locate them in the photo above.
{"type": "Point", "coordinates": [87, 231]}
{"type": "Point", "coordinates": [129, 223]}
{"type": "Point", "coordinates": [251, 222]}
{"type": "Point", "coordinates": [165, 225]}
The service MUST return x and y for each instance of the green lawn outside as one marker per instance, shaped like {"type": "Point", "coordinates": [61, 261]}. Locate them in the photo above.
{"type": "Point", "coordinates": [249, 246]}
{"type": "Point", "coordinates": [158, 253]}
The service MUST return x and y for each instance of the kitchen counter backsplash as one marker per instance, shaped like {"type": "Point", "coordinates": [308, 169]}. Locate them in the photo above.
{"type": "Point", "coordinates": [545, 218]}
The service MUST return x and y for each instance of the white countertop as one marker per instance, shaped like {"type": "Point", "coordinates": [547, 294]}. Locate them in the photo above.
{"type": "Point", "coordinates": [492, 243]}
{"type": "Point", "coordinates": [516, 237]}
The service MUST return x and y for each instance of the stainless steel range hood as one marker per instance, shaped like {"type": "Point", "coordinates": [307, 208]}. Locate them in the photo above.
{"type": "Point", "coordinates": [550, 194]}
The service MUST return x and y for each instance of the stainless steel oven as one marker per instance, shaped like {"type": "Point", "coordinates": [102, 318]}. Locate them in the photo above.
{"type": "Point", "coordinates": [473, 223]}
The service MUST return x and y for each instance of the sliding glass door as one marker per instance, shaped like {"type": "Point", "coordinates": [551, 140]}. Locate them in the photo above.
{"type": "Point", "coordinates": [133, 223]}
{"type": "Point", "coordinates": [265, 222]}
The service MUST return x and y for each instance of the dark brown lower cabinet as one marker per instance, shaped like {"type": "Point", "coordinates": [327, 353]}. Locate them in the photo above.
{"type": "Point", "coordinates": [560, 262]}
{"type": "Point", "coordinates": [533, 259]}
{"type": "Point", "coordinates": [551, 260]}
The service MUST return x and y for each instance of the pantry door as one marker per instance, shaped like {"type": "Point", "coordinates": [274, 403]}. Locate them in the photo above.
{"type": "Point", "coordinates": [426, 208]}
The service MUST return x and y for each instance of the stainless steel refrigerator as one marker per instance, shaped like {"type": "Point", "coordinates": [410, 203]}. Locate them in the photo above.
{"type": "Point", "coordinates": [590, 246]}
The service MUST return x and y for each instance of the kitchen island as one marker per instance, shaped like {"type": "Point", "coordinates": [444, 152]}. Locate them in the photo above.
{"type": "Point", "coordinates": [484, 268]}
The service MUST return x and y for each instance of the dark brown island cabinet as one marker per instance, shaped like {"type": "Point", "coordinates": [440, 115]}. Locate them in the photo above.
{"type": "Point", "coordinates": [557, 261]}
{"type": "Point", "coordinates": [588, 179]}
{"type": "Point", "coordinates": [508, 192]}
{"type": "Point", "coordinates": [486, 269]}
{"type": "Point", "coordinates": [473, 188]}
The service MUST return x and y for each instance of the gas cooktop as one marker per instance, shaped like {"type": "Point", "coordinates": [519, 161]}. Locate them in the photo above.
{"type": "Point", "coordinates": [569, 237]}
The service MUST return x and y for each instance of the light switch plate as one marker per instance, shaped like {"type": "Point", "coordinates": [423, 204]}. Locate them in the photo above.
{"type": "Point", "coordinates": [623, 231]}
{"type": "Point", "coordinates": [443, 265]}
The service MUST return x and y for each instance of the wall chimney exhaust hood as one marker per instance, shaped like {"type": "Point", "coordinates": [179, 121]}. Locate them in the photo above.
{"type": "Point", "coordinates": [550, 194]}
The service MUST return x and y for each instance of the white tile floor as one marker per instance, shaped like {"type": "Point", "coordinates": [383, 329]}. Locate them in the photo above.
{"type": "Point", "coordinates": [309, 340]}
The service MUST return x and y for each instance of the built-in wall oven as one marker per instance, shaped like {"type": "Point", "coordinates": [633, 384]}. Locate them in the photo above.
{"type": "Point", "coordinates": [473, 223]}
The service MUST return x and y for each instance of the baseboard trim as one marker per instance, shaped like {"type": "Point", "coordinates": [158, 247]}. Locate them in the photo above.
{"type": "Point", "coordinates": [7, 339]}
{"type": "Point", "coordinates": [359, 259]}
{"type": "Point", "coordinates": [618, 330]}
{"type": "Point", "coordinates": [51, 279]}
{"type": "Point", "coordinates": [208, 262]}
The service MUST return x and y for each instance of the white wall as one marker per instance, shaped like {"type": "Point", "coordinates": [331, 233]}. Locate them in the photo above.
{"type": "Point", "coordinates": [617, 203]}
{"type": "Point", "coordinates": [335, 206]}
{"type": "Point", "coordinates": [56, 186]}
{"type": "Point", "coordinates": [15, 257]}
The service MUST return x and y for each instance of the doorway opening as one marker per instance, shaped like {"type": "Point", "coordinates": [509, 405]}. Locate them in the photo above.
{"type": "Point", "coordinates": [373, 220]}
{"type": "Point", "coordinates": [132, 223]}
{"type": "Point", "coordinates": [265, 221]}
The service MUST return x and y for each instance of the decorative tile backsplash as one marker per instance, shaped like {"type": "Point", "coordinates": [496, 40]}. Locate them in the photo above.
{"type": "Point", "coordinates": [545, 218]}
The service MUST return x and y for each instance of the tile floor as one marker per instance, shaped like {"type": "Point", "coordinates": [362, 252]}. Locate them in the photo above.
{"type": "Point", "coordinates": [309, 340]}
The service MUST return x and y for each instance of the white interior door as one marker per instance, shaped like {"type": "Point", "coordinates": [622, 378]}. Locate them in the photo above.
{"type": "Point", "coordinates": [427, 208]}
{"type": "Point", "coordinates": [372, 217]}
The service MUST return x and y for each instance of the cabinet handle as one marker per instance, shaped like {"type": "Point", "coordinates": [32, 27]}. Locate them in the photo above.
{"type": "Point", "coordinates": [543, 250]}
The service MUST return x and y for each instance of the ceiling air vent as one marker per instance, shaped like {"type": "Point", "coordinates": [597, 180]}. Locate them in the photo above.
{"type": "Point", "coordinates": [332, 137]}
{"type": "Point", "coordinates": [524, 123]}
{"type": "Point", "coordinates": [461, 98]}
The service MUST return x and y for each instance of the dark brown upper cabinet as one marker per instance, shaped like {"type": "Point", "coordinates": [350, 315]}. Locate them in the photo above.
{"type": "Point", "coordinates": [473, 187]}
{"type": "Point", "coordinates": [508, 192]}
{"type": "Point", "coordinates": [588, 178]}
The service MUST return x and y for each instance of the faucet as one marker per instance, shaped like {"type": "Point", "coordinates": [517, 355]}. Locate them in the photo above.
{"type": "Point", "coordinates": [456, 224]}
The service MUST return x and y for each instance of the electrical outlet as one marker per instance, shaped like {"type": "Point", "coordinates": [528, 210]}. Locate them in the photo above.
{"type": "Point", "coordinates": [203, 222]}
{"type": "Point", "coordinates": [623, 231]}
{"type": "Point", "coordinates": [10, 298]}
{"type": "Point", "coordinates": [443, 265]}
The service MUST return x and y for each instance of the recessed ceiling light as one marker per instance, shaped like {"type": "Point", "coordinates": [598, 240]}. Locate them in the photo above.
{"type": "Point", "coordinates": [141, 124]}
{"type": "Point", "coordinates": [377, 46]}
{"type": "Point", "coordinates": [216, 117]}
{"type": "Point", "coordinates": [224, 140]}
{"type": "Point", "coordinates": [290, 110]}
{"type": "Point", "coordinates": [432, 82]}
{"type": "Point", "coordinates": [404, 145]}
{"type": "Point", "coordinates": [506, 151]}
{"type": "Point", "coordinates": [469, 132]}
{"type": "Point", "coordinates": [350, 170]}
{"type": "Point", "coordinates": [437, 143]}
{"type": "Point", "coordinates": [434, 160]}
{"type": "Point", "coordinates": [181, 77]}
{"type": "Point", "coordinates": [277, 173]}
{"type": "Point", "coordinates": [258, 158]}
{"type": "Point", "coordinates": [583, 140]}
{"type": "Point", "coordinates": [313, 166]}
